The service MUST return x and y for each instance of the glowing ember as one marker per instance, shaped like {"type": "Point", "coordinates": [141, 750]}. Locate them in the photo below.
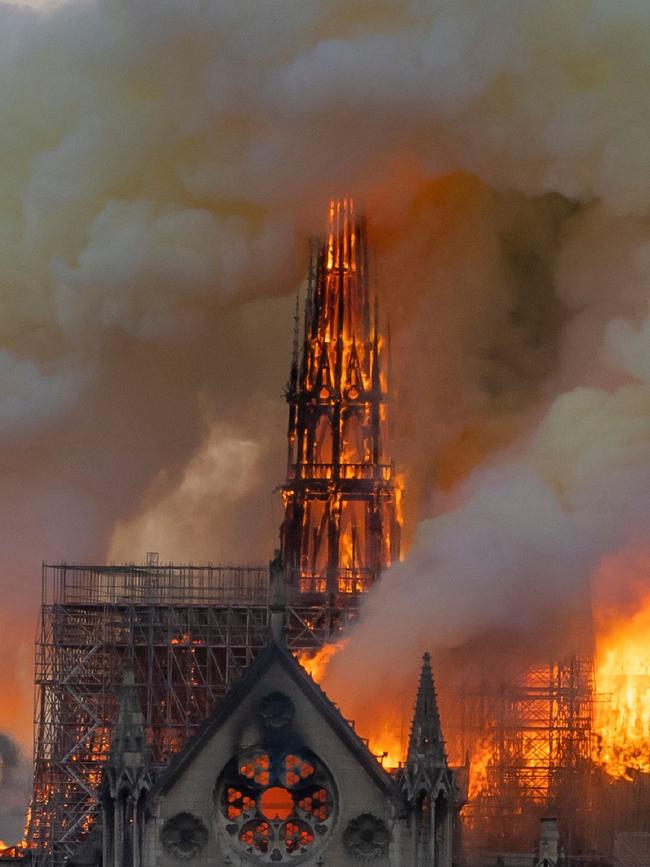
{"type": "Point", "coordinates": [622, 716]}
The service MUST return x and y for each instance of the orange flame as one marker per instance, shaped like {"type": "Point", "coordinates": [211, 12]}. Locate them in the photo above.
{"type": "Point", "coordinates": [482, 756]}
{"type": "Point", "coordinates": [399, 502]}
{"type": "Point", "coordinates": [622, 676]}
{"type": "Point", "coordinates": [384, 739]}
{"type": "Point", "coordinates": [315, 664]}
{"type": "Point", "coordinates": [15, 851]}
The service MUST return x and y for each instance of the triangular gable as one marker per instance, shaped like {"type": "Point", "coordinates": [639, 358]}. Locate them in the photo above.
{"type": "Point", "coordinates": [274, 654]}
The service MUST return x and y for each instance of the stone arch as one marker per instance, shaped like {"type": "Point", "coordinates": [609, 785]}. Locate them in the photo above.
{"type": "Point", "coordinates": [423, 827]}
{"type": "Point", "coordinates": [441, 819]}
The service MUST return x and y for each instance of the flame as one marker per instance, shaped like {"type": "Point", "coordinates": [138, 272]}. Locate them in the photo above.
{"type": "Point", "coordinates": [622, 677]}
{"type": "Point", "coordinates": [315, 664]}
{"type": "Point", "coordinates": [399, 502]}
{"type": "Point", "coordinates": [15, 851]}
{"type": "Point", "coordinates": [385, 740]}
{"type": "Point", "coordinates": [482, 756]}
{"type": "Point", "coordinates": [383, 736]}
{"type": "Point", "coordinates": [184, 640]}
{"type": "Point", "coordinates": [340, 218]}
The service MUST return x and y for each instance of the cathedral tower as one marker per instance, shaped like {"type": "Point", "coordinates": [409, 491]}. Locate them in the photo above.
{"type": "Point", "coordinates": [340, 527]}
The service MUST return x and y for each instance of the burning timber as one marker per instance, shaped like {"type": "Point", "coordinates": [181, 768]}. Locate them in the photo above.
{"type": "Point", "coordinates": [341, 497]}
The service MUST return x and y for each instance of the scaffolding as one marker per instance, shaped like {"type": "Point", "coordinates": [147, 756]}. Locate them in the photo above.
{"type": "Point", "coordinates": [189, 632]}
{"type": "Point", "coordinates": [530, 743]}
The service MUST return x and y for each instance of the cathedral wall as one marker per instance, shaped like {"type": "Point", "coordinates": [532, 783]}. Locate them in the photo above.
{"type": "Point", "coordinates": [355, 792]}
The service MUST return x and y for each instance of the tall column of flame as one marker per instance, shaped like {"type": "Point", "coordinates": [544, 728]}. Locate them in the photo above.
{"type": "Point", "coordinates": [622, 713]}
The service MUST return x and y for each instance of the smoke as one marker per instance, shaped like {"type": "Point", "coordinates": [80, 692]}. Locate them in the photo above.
{"type": "Point", "coordinates": [506, 568]}
{"type": "Point", "coordinates": [15, 780]}
{"type": "Point", "coordinates": [163, 164]}
{"type": "Point", "coordinates": [518, 551]}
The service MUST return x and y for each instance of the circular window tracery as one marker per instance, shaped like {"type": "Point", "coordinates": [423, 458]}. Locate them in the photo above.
{"type": "Point", "coordinates": [276, 804]}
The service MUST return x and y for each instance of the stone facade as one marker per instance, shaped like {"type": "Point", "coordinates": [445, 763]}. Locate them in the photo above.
{"type": "Point", "coordinates": [277, 776]}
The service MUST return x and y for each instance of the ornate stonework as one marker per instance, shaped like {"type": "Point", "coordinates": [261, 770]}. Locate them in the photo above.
{"type": "Point", "coordinates": [366, 838]}
{"type": "Point", "coordinates": [184, 835]}
{"type": "Point", "coordinates": [276, 710]}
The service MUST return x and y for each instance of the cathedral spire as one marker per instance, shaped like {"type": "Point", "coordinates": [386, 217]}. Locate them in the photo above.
{"type": "Point", "coordinates": [341, 524]}
{"type": "Point", "coordinates": [426, 744]}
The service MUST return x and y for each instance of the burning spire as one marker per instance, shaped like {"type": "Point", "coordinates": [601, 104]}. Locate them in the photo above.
{"type": "Point", "coordinates": [340, 527]}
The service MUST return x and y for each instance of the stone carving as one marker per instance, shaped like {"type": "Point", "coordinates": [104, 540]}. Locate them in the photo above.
{"type": "Point", "coordinates": [184, 835]}
{"type": "Point", "coordinates": [366, 838]}
{"type": "Point", "coordinates": [276, 710]}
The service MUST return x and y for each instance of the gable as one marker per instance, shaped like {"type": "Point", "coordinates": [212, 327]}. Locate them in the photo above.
{"type": "Point", "coordinates": [275, 737]}
{"type": "Point", "coordinates": [236, 720]}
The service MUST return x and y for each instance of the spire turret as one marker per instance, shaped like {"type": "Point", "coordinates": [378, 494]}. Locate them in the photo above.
{"type": "Point", "coordinates": [127, 778]}
{"type": "Point", "coordinates": [426, 745]}
{"type": "Point", "coordinates": [427, 783]}
{"type": "Point", "coordinates": [129, 749]}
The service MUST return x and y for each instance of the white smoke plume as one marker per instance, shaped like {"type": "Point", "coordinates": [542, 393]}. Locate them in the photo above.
{"type": "Point", "coordinates": [162, 165]}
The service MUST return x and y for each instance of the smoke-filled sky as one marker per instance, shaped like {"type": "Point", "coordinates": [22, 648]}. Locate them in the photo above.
{"type": "Point", "coordinates": [162, 163]}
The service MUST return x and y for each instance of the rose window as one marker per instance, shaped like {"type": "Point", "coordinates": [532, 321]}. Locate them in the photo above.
{"type": "Point", "coordinates": [276, 804]}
